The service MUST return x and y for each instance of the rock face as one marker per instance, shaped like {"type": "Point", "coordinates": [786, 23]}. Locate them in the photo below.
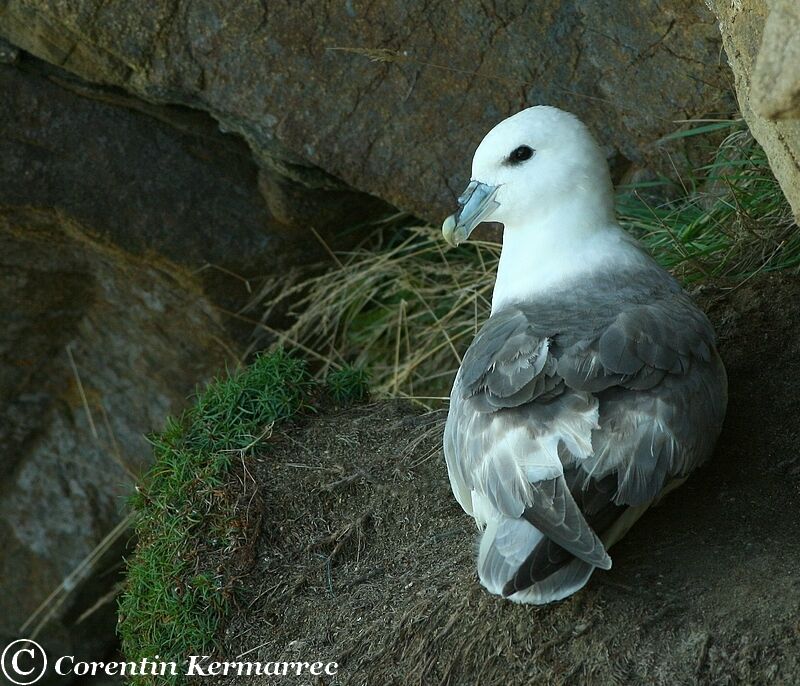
{"type": "Point", "coordinates": [96, 348]}
{"type": "Point", "coordinates": [391, 97]}
{"type": "Point", "coordinates": [127, 231]}
{"type": "Point", "coordinates": [762, 41]}
{"type": "Point", "coordinates": [160, 181]}
{"type": "Point", "coordinates": [776, 79]}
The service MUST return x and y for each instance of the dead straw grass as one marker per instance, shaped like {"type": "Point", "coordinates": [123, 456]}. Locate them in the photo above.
{"type": "Point", "coordinates": [406, 312]}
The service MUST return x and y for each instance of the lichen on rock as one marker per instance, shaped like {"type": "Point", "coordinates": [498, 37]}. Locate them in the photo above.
{"type": "Point", "coordinates": [763, 49]}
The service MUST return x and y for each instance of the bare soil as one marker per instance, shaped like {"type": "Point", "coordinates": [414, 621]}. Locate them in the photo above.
{"type": "Point", "coordinates": [363, 556]}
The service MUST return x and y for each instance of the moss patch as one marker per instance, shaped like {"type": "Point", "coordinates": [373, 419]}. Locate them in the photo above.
{"type": "Point", "coordinates": [348, 385]}
{"type": "Point", "coordinates": [176, 594]}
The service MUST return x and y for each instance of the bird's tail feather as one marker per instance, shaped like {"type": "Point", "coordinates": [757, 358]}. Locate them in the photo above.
{"type": "Point", "coordinates": [562, 583]}
{"type": "Point", "coordinates": [505, 545]}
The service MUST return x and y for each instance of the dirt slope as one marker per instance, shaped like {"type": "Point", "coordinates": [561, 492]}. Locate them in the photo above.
{"type": "Point", "coordinates": [364, 557]}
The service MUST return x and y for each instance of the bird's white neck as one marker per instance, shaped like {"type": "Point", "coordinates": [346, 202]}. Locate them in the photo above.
{"type": "Point", "coordinates": [576, 239]}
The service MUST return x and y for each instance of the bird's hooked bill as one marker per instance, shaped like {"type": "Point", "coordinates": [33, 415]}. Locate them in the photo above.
{"type": "Point", "coordinates": [476, 205]}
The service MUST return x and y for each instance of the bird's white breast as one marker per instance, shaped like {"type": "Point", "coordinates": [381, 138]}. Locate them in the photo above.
{"type": "Point", "coordinates": [537, 259]}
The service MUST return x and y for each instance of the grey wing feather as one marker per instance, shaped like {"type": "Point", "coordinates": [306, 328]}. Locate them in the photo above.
{"type": "Point", "coordinates": [556, 514]}
{"type": "Point", "coordinates": [640, 346]}
{"type": "Point", "coordinates": [657, 420]}
{"type": "Point", "coordinates": [508, 364]}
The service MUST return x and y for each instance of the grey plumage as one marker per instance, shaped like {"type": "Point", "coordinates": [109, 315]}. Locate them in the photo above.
{"type": "Point", "coordinates": [615, 381]}
{"type": "Point", "coordinates": [594, 387]}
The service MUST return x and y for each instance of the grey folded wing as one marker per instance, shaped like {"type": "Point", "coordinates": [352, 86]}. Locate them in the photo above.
{"type": "Point", "coordinates": [662, 391]}
{"type": "Point", "coordinates": [649, 368]}
{"type": "Point", "coordinates": [555, 513]}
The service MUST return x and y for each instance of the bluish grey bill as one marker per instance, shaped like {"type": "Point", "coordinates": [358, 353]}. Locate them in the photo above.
{"type": "Point", "coordinates": [476, 205]}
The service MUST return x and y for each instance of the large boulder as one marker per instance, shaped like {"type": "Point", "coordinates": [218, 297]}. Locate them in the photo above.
{"type": "Point", "coordinates": [776, 79]}
{"type": "Point", "coordinates": [128, 232]}
{"type": "Point", "coordinates": [96, 348]}
{"type": "Point", "coordinates": [158, 181]}
{"type": "Point", "coordinates": [389, 96]}
{"type": "Point", "coordinates": [762, 41]}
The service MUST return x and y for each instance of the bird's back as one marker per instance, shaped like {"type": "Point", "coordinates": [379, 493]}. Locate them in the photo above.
{"type": "Point", "coordinates": [570, 408]}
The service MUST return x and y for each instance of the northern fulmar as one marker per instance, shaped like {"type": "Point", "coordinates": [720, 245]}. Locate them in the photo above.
{"type": "Point", "coordinates": [593, 388]}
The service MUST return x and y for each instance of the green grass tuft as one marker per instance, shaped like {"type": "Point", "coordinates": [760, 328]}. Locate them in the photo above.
{"type": "Point", "coordinates": [729, 219]}
{"type": "Point", "coordinates": [170, 606]}
{"type": "Point", "coordinates": [348, 384]}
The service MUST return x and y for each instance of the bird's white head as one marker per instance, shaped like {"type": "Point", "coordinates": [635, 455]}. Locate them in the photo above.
{"type": "Point", "coordinates": [542, 175]}
{"type": "Point", "coordinates": [534, 165]}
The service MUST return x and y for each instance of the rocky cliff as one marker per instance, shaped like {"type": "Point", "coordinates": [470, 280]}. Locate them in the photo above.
{"type": "Point", "coordinates": [157, 159]}
{"type": "Point", "coordinates": [762, 42]}
{"type": "Point", "coordinates": [390, 96]}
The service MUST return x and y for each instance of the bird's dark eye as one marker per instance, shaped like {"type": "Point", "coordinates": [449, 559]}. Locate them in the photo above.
{"type": "Point", "coordinates": [520, 154]}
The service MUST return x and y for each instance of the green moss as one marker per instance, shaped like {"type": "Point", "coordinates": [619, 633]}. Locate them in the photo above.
{"type": "Point", "coordinates": [170, 606]}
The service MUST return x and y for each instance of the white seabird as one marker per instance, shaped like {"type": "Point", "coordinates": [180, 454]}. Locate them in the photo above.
{"type": "Point", "coordinates": [595, 385]}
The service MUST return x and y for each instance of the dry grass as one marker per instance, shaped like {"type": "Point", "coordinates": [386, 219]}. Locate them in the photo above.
{"type": "Point", "coordinates": [406, 312]}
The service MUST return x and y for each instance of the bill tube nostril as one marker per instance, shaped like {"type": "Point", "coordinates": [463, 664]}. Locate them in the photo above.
{"type": "Point", "coordinates": [477, 203]}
